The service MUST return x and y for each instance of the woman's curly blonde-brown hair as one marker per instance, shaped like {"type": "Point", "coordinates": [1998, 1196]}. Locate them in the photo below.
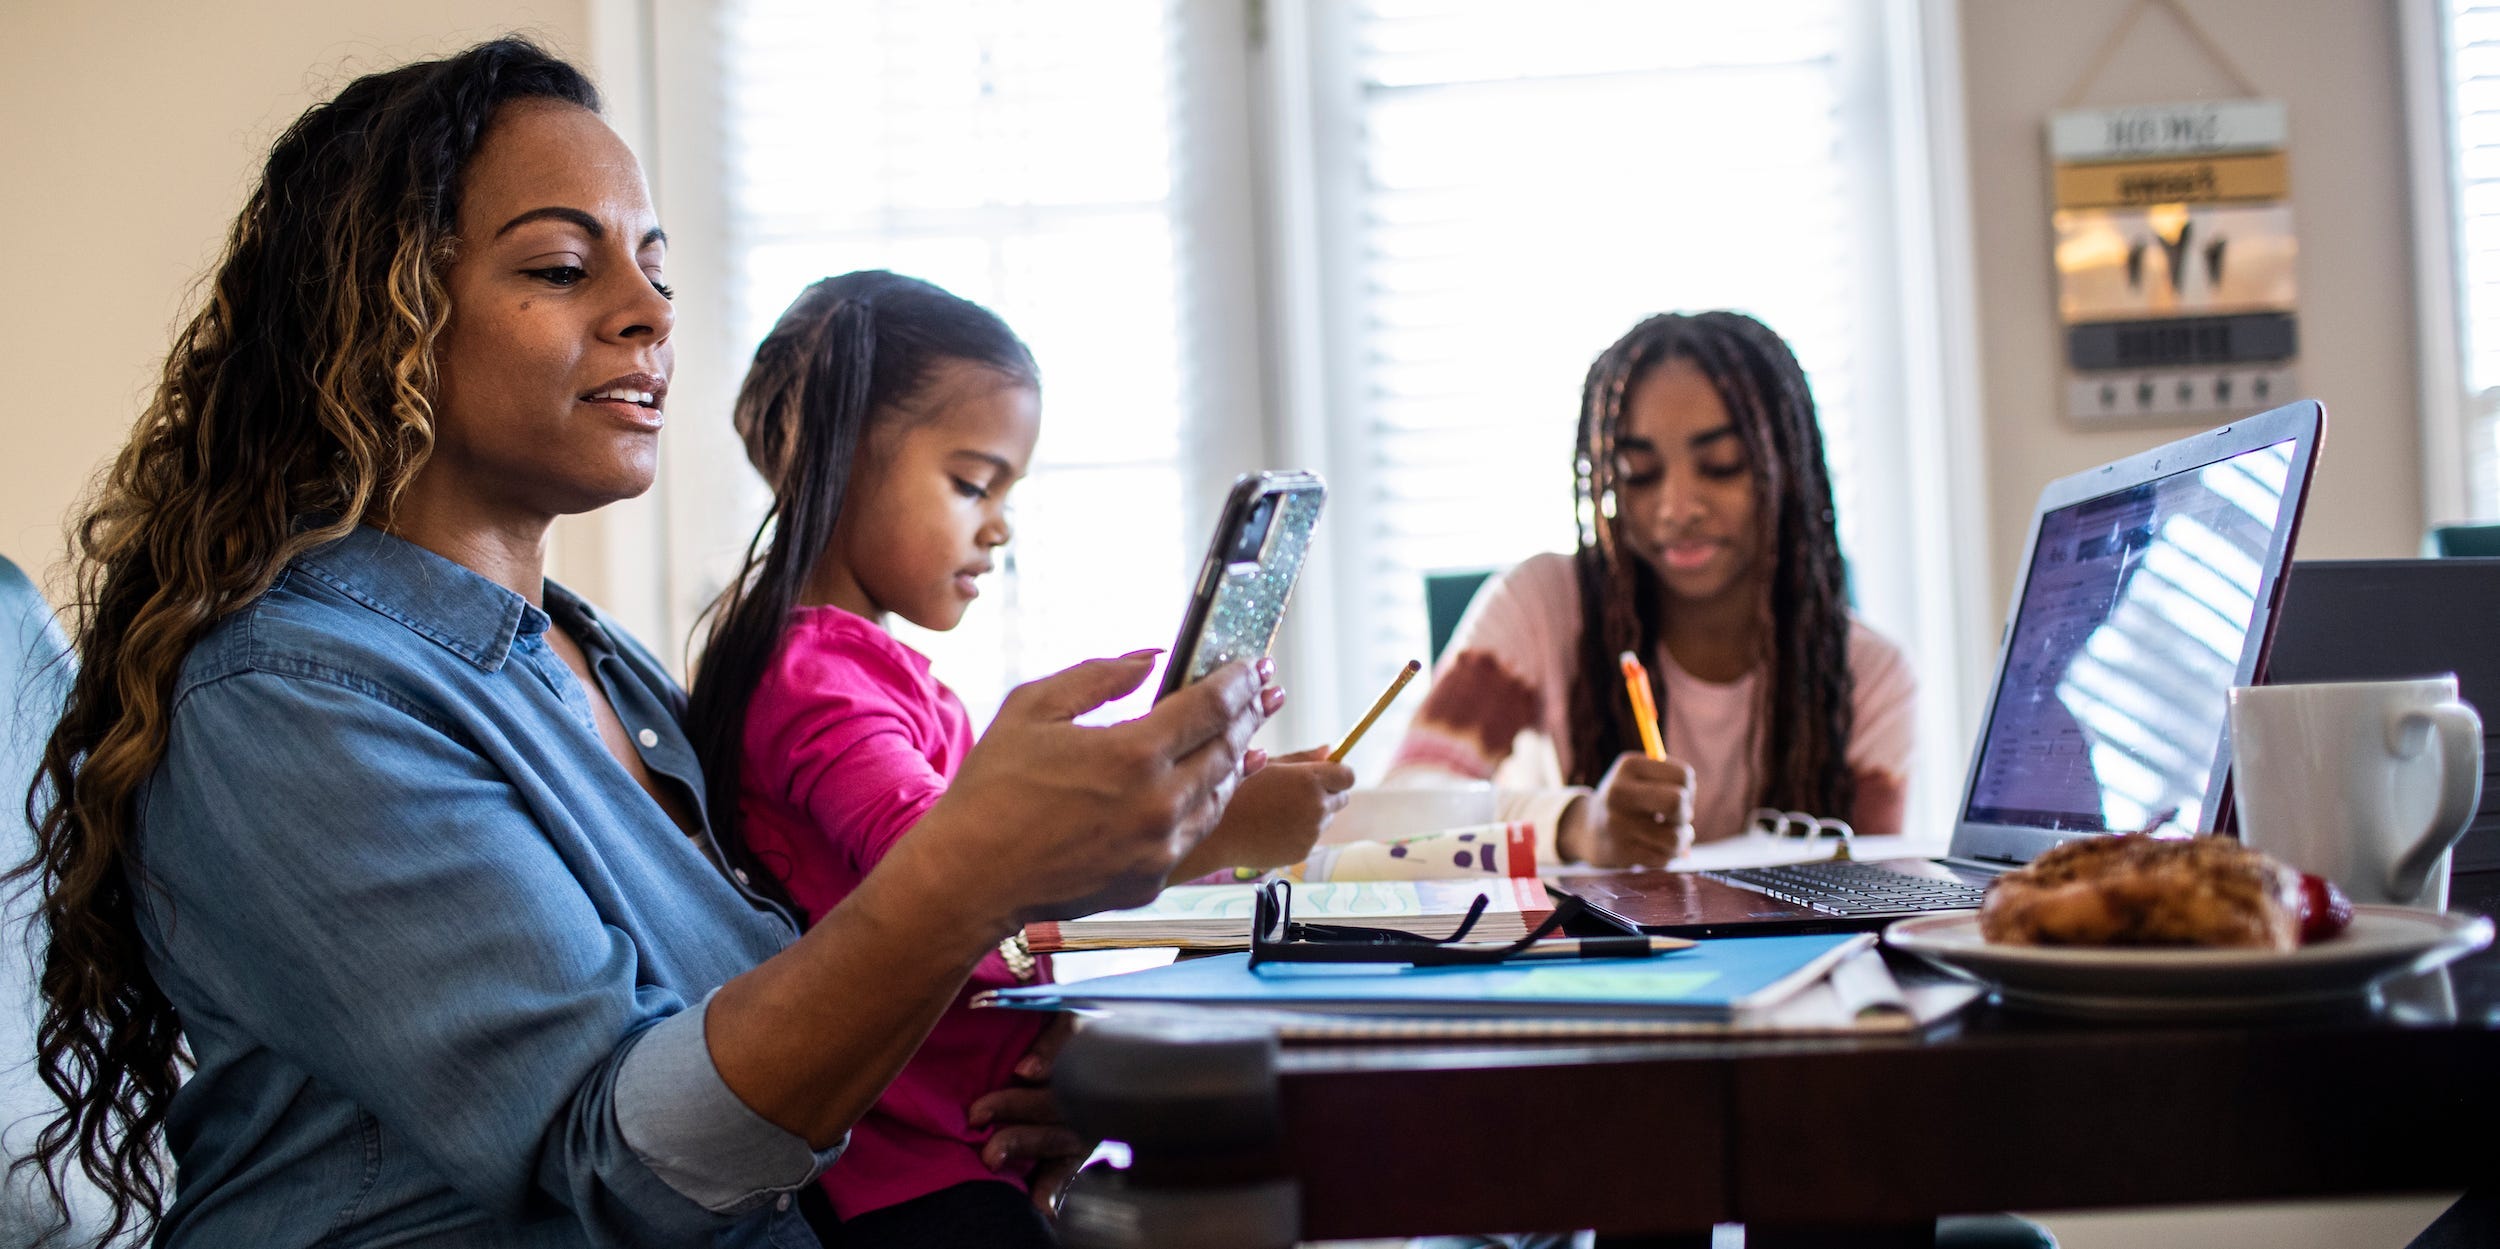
{"type": "Point", "coordinates": [296, 403]}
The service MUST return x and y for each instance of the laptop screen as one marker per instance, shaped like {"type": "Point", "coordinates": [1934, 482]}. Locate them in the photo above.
{"type": "Point", "coordinates": [2133, 621]}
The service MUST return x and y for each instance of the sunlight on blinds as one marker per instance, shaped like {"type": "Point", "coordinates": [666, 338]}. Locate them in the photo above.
{"type": "Point", "coordinates": [1535, 179]}
{"type": "Point", "coordinates": [1020, 155]}
{"type": "Point", "coordinates": [2475, 90]}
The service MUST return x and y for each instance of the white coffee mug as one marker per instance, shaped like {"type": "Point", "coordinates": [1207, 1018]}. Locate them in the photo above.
{"type": "Point", "coordinates": [2367, 783]}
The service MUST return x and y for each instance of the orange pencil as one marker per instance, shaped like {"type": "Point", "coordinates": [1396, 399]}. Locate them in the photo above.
{"type": "Point", "coordinates": [1644, 707]}
{"type": "Point", "coordinates": [1387, 696]}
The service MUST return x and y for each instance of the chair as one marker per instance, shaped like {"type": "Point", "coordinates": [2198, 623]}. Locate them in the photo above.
{"type": "Point", "coordinates": [35, 670]}
{"type": "Point", "coordinates": [2453, 541]}
{"type": "Point", "coordinates": [1446, 596]}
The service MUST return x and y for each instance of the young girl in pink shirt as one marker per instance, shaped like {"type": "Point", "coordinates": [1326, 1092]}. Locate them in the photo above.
{"type": "Point", "coordinates": [892, 419]}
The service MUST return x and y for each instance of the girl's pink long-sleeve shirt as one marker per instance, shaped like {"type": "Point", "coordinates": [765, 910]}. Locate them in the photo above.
{"type": "Point", "coordinates": [848, 741]}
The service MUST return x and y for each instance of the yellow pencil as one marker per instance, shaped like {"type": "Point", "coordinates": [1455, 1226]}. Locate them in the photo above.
{"type": "Point", "coordinates": [1387, 696]}
{"type": "Point", "coordinates": [1644, 707]}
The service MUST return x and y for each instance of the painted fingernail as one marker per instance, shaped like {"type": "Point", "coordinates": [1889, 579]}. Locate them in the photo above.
{"type": "Point", "coordinates": [1267, 668]}
{"type": "Point", "coordinates": [1029, 1067]}
{"type": "Point", "coordinates": [1270, 699]}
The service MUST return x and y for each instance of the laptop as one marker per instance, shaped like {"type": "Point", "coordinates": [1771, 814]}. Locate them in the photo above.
{"type": "Point", "coordinates": [2386, 619]}
{"type": "Point", "coordinates": [2149, 589]}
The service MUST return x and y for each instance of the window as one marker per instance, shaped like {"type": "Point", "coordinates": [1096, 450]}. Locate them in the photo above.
{"type": "Point", "coordinates": [2452, 54]}
{"type": "Point", "coordinates": [1516, 187]}
{"type": "Point", "coordinates": [1381, 240]}
{"type": "Point", "coordinates": [1028, 157]}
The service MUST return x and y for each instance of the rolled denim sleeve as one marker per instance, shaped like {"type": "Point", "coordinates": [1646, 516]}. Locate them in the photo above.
{"type": "Point", "coordinates": [395, 918]}
{"type": "Point", "coordinates": [686, 1125]}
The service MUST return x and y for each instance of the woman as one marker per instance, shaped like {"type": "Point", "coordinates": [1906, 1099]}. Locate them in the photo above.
{"type": "Point", "coordinates": [1709, 547]}
{"type": "Point", "coordinates": [400, 846]}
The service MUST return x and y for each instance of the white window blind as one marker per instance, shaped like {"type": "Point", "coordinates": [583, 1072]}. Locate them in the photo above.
{"type": "Point", "coordinates": [1022, 156]}
{"type": "Point", "coordinates": [1379, 239]}
{"type": "Point", "coordinates": [1522, 184]}
{"type": "Point", "coordinates": [2472, 90]}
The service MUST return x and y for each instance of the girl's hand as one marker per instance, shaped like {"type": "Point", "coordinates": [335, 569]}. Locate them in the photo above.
{"type": "Point", "coordinates": [1275, 816]}
{"type": "Point", "coordinates": [1049, 818]}
{"type": "Point", "coordinates": [1640, 815]}
{"type": "Point", "coordinates": [1030, 1139]}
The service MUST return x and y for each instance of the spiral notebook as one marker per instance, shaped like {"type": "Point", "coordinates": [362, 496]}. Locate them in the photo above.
{"type": "Point", "coordinates": [1714, 980]}
{"type": "Point", "coordinates": [1856, 993]}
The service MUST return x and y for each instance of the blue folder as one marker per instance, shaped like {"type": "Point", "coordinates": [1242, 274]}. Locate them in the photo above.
{"type": "Point", "coordinates": [1712, 980]}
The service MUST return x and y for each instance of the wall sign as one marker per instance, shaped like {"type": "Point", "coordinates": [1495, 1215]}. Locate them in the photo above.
{"type": "Point", "coordinates": [2175, 259]}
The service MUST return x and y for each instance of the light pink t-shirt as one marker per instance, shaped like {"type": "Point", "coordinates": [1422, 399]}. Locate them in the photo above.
{"type": "Point", "coordinates": [849, 741]}
{"type": "Point", "coordinates": [1500, 710]}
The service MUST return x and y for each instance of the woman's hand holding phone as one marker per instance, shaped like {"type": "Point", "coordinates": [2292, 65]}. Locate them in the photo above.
{"type": "Point", "coordinates": [1050, 819]}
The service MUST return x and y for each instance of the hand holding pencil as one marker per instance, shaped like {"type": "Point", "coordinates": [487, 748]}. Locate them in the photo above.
{"type": "Point", "coordinates": [1641, 813]}
{"type": "Point", "coordinates": [1279, 811]}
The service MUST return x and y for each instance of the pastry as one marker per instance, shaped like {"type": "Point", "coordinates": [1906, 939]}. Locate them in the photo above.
{"type": "Point", "coordinates": [2133, 889]}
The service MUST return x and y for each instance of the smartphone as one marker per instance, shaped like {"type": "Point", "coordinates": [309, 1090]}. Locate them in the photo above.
{"type": "Point", "coordinates": [1248, 575]}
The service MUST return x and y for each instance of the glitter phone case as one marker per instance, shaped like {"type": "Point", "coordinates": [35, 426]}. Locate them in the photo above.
{"type": "Point", "coordinates": [1248, 575]}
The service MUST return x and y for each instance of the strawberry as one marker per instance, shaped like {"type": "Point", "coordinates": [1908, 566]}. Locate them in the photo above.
{"type": "Point", "coordinates": [2324, 910]}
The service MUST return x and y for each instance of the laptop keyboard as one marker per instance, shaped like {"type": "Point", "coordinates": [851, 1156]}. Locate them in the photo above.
{"type": "Point", "coordinates": [1855, 888]}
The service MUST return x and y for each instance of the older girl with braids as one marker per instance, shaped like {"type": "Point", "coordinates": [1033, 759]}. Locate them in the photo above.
{"type": "Point", "coordinates": [396, 846]}
{"type": "Point", "coordinates": [1708, 547]}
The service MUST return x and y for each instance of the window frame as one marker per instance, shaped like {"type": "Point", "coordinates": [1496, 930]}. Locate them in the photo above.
{"type": "Point", "coordinates": [2449, 416]}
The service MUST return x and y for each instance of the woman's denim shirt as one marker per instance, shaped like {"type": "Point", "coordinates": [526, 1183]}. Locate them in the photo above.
{"type": "Point", "coordinates": [441, 962]}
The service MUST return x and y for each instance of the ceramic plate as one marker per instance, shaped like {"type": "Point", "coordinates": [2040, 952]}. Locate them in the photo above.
{"type": "Point", "coordinates": [2170, 982]}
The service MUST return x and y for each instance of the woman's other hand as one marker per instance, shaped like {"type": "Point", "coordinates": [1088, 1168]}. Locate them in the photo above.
{"type": "Point", "coordinates": [1049, 818]}
{"type": "Point", "coordinates": [1640, 815]}
{"type": "Point", "coordinates": [1030, 1139]}
{"type": "Point", "coordinates": [1276, 814]}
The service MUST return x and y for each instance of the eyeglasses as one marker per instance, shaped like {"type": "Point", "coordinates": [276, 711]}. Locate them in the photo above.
{"type": "Point", "coordinates": [1275, 937]}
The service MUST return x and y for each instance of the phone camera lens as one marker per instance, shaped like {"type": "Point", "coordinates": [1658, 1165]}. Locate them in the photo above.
{"type": "Point", "coordinates": [1252, 539]}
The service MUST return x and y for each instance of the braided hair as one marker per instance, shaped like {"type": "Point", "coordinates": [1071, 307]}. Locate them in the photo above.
{"type": "Point", "coordinates": [848, 352]}
{"type": "Point", "coordinates": [1803, 718]}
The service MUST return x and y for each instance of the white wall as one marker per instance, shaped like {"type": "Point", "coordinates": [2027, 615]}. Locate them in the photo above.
{"type": "Point", "coordinates": [133, 129]}
{"type": "Point", "coordinates": [2334, 62]}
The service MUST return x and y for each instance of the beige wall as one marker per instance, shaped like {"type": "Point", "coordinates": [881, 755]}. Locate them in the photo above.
{"type": "Point", "coordinates": [132, 131]}
{"type": "Point", "coordinates": [2335, 63]}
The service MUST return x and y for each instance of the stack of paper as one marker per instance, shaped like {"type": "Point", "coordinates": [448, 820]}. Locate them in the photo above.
{"type": "Point", "coordinates": [1217, 917]}
{"type": "Point", "coordinates": [1713, 980]}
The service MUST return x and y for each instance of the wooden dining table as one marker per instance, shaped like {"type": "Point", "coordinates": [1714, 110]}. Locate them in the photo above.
{"type": "Point", "coordinates": [1238, 1140]}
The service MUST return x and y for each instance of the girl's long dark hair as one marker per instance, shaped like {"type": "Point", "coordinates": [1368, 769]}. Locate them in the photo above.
{"type": "Point", "coordinates": [848, 349]}
{"type": "Point", "coordinates": [1804, 718]}
{"type": "Point", "coordinates": [296, 402]}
